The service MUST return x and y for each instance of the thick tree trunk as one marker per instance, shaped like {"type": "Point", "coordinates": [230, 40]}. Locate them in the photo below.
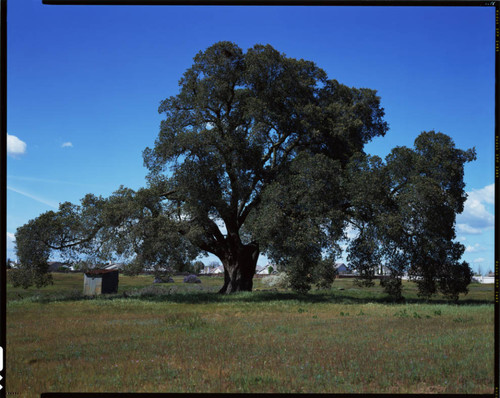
{"type": "Point", "coordinates": [239, 268]}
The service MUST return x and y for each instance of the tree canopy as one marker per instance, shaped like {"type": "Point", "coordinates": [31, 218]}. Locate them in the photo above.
{"type": "Point", "coordinates": [405, 210]}
{"type": "Point", "coordinates": [262, 152]}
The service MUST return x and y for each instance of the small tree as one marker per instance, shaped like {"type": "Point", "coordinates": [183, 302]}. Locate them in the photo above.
{"type": "Point", "coordinates": [405, 210]}
{"type": "Point", "coordinates": [33, 254]}
{"type": "Point", "coordinates": [299, 273]}
{"type": "Point", "coordinates": [325, 274]}
{"type": "Point", "coordinates": [393, 287]}
{"type": "Point", "coordinates": [197, 266]}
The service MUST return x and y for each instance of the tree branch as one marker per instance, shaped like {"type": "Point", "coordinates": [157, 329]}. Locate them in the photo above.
{"type": "Point", "coordinates": [167, 194]}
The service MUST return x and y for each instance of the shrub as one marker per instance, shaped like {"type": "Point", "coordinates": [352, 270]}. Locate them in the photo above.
{"type": "Point", "coordinates": [454, 280]}
{"type": "Point", "coordinates": [392, 286]}
{"type": "Point", "coordinates": [280, 280]}
{"type": "Point", "coordinates": [324, 274]}
{"type": "Point", "coordinates": [299, 273]}
{"type": "Point", "coordinates": [191, 279]}
{"type": "Point", "coordinates": [26, 277]}
{"type": "Point", "coordinates": [197, 266]}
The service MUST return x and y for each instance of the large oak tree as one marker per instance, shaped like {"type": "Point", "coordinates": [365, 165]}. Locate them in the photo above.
{"type": "Point", "coordinates": [242, 123]}
{"type": "Point", "coordinates": [257, 152]}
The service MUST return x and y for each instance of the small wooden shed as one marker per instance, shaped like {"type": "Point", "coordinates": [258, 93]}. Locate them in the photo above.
{"type": "Point", "coordinates": [100, 281]}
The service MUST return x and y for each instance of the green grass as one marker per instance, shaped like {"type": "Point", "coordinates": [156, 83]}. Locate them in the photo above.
{"type": "Point", "coordinates": [186, 338]}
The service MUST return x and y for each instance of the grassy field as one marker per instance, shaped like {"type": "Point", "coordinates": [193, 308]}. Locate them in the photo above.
{"type": "Point", "coordinates": [186, 338]}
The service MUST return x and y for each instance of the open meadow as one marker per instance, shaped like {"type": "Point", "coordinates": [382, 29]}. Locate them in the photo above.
{"type": "Point", "coordinates": [186, 338]}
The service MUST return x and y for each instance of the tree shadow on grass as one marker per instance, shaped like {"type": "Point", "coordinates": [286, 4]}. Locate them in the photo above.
{"type": "Point", "coordinates": [209, 295]}
{"type": "Point", "coordinates": [203, 297]}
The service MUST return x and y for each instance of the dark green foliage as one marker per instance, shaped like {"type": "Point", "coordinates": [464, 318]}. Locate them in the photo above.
{"type": "Point", "coordinates": [324, 273]}
{"type": "Point", "coordinates": [32, 253]}
{"type": "Point", "coordinates": [392, 286]}
{"type": "Point", "coordinates": [26, 277]}
{"type": "Point", "coordinates": [252, 140]}
{"type": "Point", "coordinates": [127, 223]}
{"type": "Point", "coordinates": [454, 279]}
{"type": "Point", "coordinates": [405, 211]}
{"type": "Point", "coordinates": [299, 217]}
{"type": "Point", "coordinates": [299, 273]}
{"type": "Point", "coordinates": [363, 256]}
{"type": "Point", "coordinates": [197, 266]}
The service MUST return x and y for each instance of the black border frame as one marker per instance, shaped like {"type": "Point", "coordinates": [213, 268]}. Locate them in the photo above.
{"type": "Point", "coordinates": [3, 156]}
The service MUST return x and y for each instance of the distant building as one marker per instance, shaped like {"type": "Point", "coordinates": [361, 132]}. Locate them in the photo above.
{"type": "Point", "coordinates": [383, 270]}
{"type": "Point", "coordinates": [204, 270]}
{"type": "Point", "coordinates": [56, 266]}
{"type": "Point", "coordinates": [212, 268]}
{"type": "Point", "coordinates": [207, 269]}
{"type": "Point", "coordinates": [342, 268]}
{"type": "Point", "coordinates": [218, 270]}
{"type": "Point", "coordinates": [100, 281]}
{"type": "Point", "coordinates": [483, 279]}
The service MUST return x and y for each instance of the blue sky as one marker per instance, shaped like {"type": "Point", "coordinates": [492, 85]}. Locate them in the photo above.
{"type": "Point", "coordinates": [84, 84]}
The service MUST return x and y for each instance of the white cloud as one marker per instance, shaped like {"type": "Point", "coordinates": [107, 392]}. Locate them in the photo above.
{"type": "Point", "coordinates": [478, 260]}
{"type": "Point", "coordinates": [474, 249]}
{"type": "Point", "coordinates": [67, 145]}
{"type": "Point", "coordinates": [486, 194]}
{"type": "Point", "coordinates": [10, 240]}
{"type": "Point", "coordinates": [15, 146]}
{"type": "Point", "coordinates": [467, 229]}
{"type": "Point", "coordinates": [476, 218]}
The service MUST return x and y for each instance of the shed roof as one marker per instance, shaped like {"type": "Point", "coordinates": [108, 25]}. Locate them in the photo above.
{"type": "Point", "coordinates": [99, 271]}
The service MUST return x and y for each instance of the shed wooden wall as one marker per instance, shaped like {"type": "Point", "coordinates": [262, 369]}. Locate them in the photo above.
{"type": "Point", "coordinates": [92, 285]}
{"type": "Point", "coordinates": [100, 283]}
